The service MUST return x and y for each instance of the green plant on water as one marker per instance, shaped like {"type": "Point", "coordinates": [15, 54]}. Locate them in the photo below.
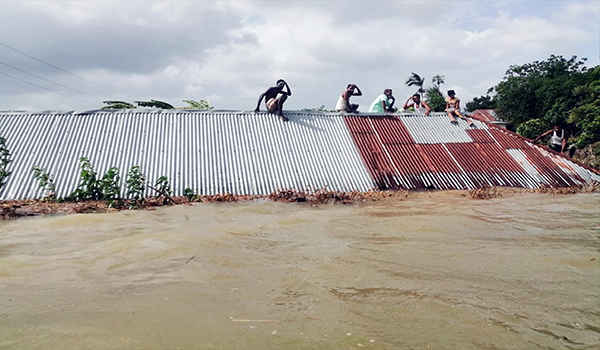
{"type": "Point", "coordinates": [89, 186]}
{"type": "Point", "coordinates": [4, 161]}
{"type": "Point", "coordinates": [111, 188]}
{"type": "Point", "coordinates": [46, 182]}
{"type": "Point", "coordinates": [190, 194]}
{"type": "Point", "coordinates": [163, 187]}
{"type": "Point", "coordinates": [136, 184]}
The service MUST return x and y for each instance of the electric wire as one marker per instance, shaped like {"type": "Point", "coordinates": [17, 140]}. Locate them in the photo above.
{"type": "Point", "coordinates": [55, 67]}
{"type": "Point", "coordinates": [41, 87]}
{"type": "Point", "coordinates": [50, 81]}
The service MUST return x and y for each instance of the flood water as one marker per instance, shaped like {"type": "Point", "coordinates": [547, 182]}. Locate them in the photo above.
{"type": "Point", "coordinates": [436, 271]}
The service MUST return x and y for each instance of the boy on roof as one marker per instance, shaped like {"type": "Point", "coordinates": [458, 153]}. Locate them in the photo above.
{"type": "Point", "coordinates": [453, 108]}
{"type": "Point", "coordinates": [274, 98]}
{"type": "Point", "coordinates": [415, 102]}
{"type": "Point", "coordinates": [343, 103]}
{"type": "Point", "coordinates": [383, 103]}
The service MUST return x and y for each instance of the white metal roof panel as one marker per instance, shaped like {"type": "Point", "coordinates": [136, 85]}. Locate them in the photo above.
{"type": "Point", "coordinates": [212, 152]}
{"type": "Point", "coordinates": [436, 128]}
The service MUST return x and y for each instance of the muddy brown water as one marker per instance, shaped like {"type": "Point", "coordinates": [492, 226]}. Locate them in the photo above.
{"type": "Point", "coordinates": [424, 272]}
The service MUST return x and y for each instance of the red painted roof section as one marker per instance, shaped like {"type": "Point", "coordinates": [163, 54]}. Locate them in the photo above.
{"type": "Point", "coordinates": [507, 139]}
{"type": "Point", "coordinates": [486, 115]}
{"type": "Point", "coordinates": [493, 156]}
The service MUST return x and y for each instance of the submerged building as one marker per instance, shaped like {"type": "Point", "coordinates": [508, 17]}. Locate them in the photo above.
{"type": "Point", "coordinates": [244, 153]}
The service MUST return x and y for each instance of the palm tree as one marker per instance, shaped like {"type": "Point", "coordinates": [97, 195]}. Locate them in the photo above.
{"type": "Point", "coordinates": [435, 99]}
{"type": "Point", "coordinates": [438, 79]}
{"type": "Point", "coordinates": [416, 80]}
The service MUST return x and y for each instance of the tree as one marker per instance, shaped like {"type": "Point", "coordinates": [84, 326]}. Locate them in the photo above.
{"type": "Point", "coordinates": [202, 104]}
{"type": "Point", "coordinates": [155, 104]}
{"type": "Point", "coordinates": [117, 105]}
{"type": "Point", "coordinates": [416, 80]}
{"type": "Point", "coordinates": [483, 102]}
{"type": "Point", "coordinates": [586, 115]}
{"type": "Point", "coordinates": [540, 90]}
{"type": "Point", "coordinates": [435, 99]}
{"type": "Point", "coordinates": [438, 79]}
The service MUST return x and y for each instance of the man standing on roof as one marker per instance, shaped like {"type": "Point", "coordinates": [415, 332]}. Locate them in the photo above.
{"type": "Point", "coordinates": [343, 103]}
{"type": "Point", "coordinates": [274, 98]}
{"type": "Point", "coordinates": [415, 102]}
{"type": "Point", "coordinates": [558, 140]}
{"type": "Point", "coordinates": [383, 103]}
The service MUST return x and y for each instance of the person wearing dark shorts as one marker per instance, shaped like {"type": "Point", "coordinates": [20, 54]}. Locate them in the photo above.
{"type": "Point", "coordinates": [275, 97]}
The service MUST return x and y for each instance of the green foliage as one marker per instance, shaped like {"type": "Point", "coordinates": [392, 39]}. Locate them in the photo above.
{"type": "Point", "coordinates": [536, 96]}
{"type": "Point", "coordinates": [162, 185]}
{"type": "Point", "coordinates": [4, 161]}
{"type": "Point", "coordinates": [190, 194]}
{"type": "Point", "coordinates": [202, 104]}
{"type": "Point", "coordinates": [435, 99]}
{"type": "Point", "coordinates": [416, 80]}
{"type": "Point", "coordinates": [155, 104]}
{"type": "Point", "coordinates": [111, 188]}
{"type": "Point", "coordinates": [532, 128]}
{"type": "Point", "coordinates": [483, 102]}
{"type": "Point", "coordinates": [136, 183]}
{"type": "Point", "coordinates": [539, 90]}
{"type": "Point", "coordinates": [45, 181]}
{"type": "Point", "coordinates": [438, 80]}
{"type": "Point", "coordinates": [117, 105]}
{"type": "Point", "coordinates": [586, 115]}
{"type": "Point", "coordinates": [89, 187]}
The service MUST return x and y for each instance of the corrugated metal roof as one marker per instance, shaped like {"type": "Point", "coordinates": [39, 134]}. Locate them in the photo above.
{"type": "Point", "coordinates": [211, 152]}
{"type": "Point", "coordinates": [417, 151]}
{"type": "Point", "coordinates": [487, 115]}
{"type": "Point", "coordinates": [436, 128]}
{"type": "Point", "coordinates": [218, 152]}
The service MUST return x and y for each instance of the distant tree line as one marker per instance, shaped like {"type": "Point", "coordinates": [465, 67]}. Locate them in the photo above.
{"type": "Point", "coordinates": [535, 96]}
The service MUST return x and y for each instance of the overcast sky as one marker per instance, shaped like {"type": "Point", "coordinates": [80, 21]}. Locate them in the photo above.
{"type": "Point", "coordinates": [229, 52]}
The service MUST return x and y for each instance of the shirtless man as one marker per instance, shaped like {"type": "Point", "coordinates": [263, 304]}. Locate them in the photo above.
{"type": "Point", "coordinates": [343, 103]}
{"type": "Point", "coordinates": [274, 98]}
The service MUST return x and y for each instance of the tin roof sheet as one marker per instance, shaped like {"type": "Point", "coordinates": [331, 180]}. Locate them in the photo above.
{"type": "Point", "coordinates": [238, 152]}
{"type": "Point", "coordinates": [418, 151]}
{"type": "Point", "coordinates": [436, 128]}
{"type": "Point", "coordinates": [488, 115]}
{"type": "Point", "coordinates": [211, 152]}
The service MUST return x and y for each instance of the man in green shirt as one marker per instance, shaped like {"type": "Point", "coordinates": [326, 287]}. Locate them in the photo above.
{"type": "Point", "coordinates": [384, 103]}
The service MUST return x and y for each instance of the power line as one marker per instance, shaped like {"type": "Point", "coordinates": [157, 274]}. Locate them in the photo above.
{"type": "Point", "coordinates": [41, 87]}
{"type": "Point", "coordinates": [50, 81]}
{"type": "Point", "coordinates": [53, 66]}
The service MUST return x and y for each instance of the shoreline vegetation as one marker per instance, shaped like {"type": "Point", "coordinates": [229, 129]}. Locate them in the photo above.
{"type": "Point", "coordinates": [13, 209]}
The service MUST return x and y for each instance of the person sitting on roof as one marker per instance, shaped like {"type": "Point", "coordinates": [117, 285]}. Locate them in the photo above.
{"type": "Point", "coordinates": [343, 103]}
{"type": "Point", "coordinates": [419, 106]}
{"type": "Point", "coordinates": [274, 98]}
{"type": "Point", "coordinates": [558, 140]}
{"type": "Point", "coordinates": [453, 108]}
{"type": "Point", "coordinates": [383, 103]}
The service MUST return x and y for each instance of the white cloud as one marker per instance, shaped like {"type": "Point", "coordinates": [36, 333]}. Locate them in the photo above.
{"type": "Point", "coordinates": [233, 50]}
